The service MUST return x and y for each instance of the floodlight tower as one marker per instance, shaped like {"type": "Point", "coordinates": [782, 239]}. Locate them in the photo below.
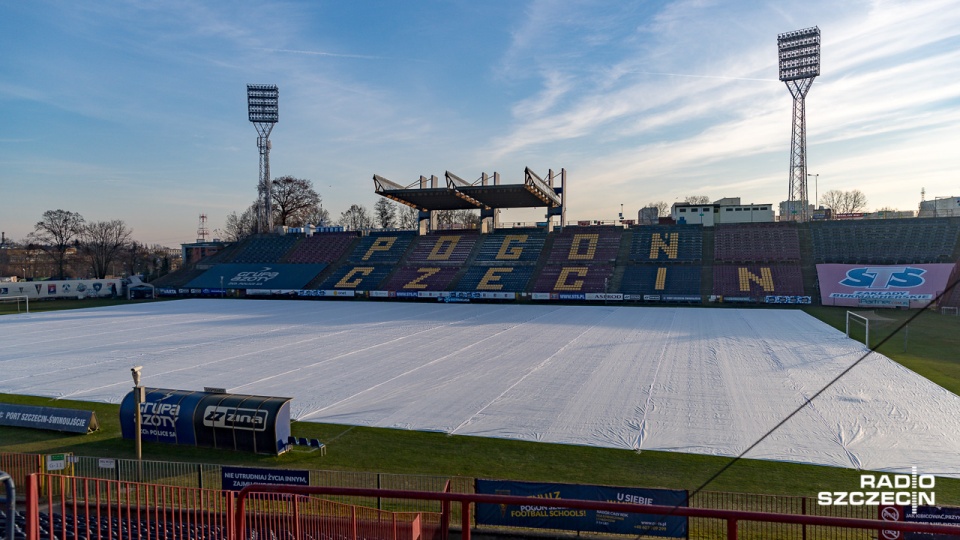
{"type": "Point", "coordinates": [799, 65]}
{"type": "Point", "coordinates": [264, 111]}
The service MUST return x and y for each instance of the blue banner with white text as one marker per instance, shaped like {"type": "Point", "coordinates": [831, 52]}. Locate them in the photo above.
{"type": "Point", "coordinates": [538, 516]}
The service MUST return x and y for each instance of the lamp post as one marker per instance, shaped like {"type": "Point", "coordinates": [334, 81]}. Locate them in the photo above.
{"type": "Point", "coordinates": [816, 179]}
{"type": "Point", "coordinates": [138, 398]}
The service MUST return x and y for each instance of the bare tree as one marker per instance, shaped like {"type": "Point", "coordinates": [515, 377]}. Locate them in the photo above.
{"type": "Point", "coordinates": [293, 199]}
{"type": "Point", "coordinates": [844, 202]}
{"type": "Point", "coordinates": [457, 219]}
{"type": "Point", "coordinates": [384, 213]}
{"type": "Point", "coordinates": [355, 218]}
{"type": "Point", "coordinates": [317, 216]}
{"type": "Point", "coordinates": [240, 226]}
{"type": "Point", "coordinates": [102, 243]}
{"type": "Point", "coordinates": [663, 209]}
{"type": "Point", "coordinates": [56, 232]}
{"type": "Point", "coordinates": [856, 201]}
{"type": "Point", "coordinates": [150, 262]}
{"type": "Point", "coordinates": [408, 217]}
{"type": "Point", "coordinates": [697, 199]}
{"type": "Point", "coordinates": [832, 199]}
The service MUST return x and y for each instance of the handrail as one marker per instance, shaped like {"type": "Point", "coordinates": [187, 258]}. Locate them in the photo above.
{"type": "Point", "coordinates": [732, 517]}
{"type": "Point", "coordinates": [11, 502]}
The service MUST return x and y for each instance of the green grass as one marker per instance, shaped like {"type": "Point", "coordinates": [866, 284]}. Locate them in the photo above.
{"type": "Point", "coordinates": [932, 338]}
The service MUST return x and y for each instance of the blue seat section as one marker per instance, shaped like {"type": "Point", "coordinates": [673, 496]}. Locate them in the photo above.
{"type": "Point", "coordinates": [382, 248]}
{"type": "Point", "coordinates": [757, 280]}
{"type": "Point", "coordinates": [358, 277]}
{"type": "Point", "coordinates": [495, 278]}
{"type": "Point", "coordinates": [266, 249]}
{"type": "Point", "coordinates": [661, 279]}
{"type": "Point", "coordinates": [421, 278]}
{"type": "Point", "coordinates": [667, 243]}
{"type": "Point", "coordinates": [442, 249]}
{"type": "Point", "coordinates": [756, 242]}
{"type": "Point", "coordinates": [586, 245]}
{"type": "Point", "coordinates": [885, 241]}
{"type": "Point", "coordinates": [574, 278]}
{"type": "Point", "coordinates": [511, 247]}
{"type": "Point", "coordinates": [321, 248]}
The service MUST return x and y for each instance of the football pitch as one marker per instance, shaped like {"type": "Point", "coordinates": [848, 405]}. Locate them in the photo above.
{"type": "Point", "coordinates": [688, 380]}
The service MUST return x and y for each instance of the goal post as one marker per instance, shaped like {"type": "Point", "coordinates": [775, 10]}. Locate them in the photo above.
{"type": "Point", "coordinates": [18, 299]}
{"type": "Point", "coordinates": [862, 320]}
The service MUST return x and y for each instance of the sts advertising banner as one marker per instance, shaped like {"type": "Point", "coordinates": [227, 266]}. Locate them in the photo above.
{"type": "Point", "coordinates": [257, 276]}
{"type": "Point", "coordinates": [537, 516]}
{"type": "Point", "coordinates": [913, 285]}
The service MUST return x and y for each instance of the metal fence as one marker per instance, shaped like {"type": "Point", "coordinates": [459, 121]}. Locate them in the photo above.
{"type": "Point", "coordinates": [209, 476]}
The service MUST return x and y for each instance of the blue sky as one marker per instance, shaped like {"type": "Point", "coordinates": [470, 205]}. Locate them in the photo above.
{"type": "Point", "coordinates": [137, 110]}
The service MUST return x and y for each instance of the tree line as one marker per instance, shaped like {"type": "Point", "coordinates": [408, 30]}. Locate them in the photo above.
{"type": "Point", "coordinates": [64, 245]}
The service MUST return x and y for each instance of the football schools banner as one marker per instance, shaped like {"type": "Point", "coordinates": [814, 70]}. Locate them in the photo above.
{"type": "Point", "coordinates": [574, 519]}
{"type": "Point", "coordinates": [257, 276]}
{"type": "Point", "coordinates": [853, 285]}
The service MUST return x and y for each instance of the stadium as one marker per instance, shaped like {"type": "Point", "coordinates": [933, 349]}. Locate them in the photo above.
{"type": "Point", "coordinates": [682, 340]}
{"type": "Point", "coordinates": [664, 337]}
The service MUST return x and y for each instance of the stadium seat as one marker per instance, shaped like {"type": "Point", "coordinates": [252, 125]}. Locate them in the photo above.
{"type": "Point", "coordinates": [302, 441]}
{"type": "Point", "coordinates": [315, 443]}
{"type": "Point", "coordinates": [291, 441]}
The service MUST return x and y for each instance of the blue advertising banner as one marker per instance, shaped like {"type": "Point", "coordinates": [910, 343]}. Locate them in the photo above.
{"type": "Point", "coordinates": [233, 421]}
{"type": "Point", "coordinates": [937, 515]}
{"type": "Point", "coordinates": [257, 276]}
{"type": "Point", "coordinates": [570, 519]}
{"type": "Point", "coordinates": [237, 478]}
{"type": "Point", "coordinates": [55, 419]}
{"type": "Point", "coordinates": [165, 416]}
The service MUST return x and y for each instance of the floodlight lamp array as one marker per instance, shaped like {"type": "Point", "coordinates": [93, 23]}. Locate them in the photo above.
{"type": "Point", "coordinates": [799, 54]}
{"type": "Point", "coordinates": [263, 103]}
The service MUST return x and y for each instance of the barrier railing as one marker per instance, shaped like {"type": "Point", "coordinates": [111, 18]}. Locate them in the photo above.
{"type": "Point", "coordinates": [19, 466]}
{"type": "Point", "coordinates": [731, 518]}
{"type": "Point", "coordinates": [97, 508]}
{"type": "Point", "coordinates": [91, 507]}
{"type": "Point", "coordinates": [276, 515]}
{"type": "Point", "coordinates": [208, 476]}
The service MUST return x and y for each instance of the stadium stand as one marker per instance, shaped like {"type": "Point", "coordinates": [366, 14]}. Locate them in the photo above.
{"type": "Point", "coordinates": [358, 277]}
{"type": "Point", "coordinates": [570, 278]}
{"type": "Point", "coordinates": [504, 261]}
{"type": "Point", "coordinates": [421, 278]}
{"type": "Point", "coordinates": [661, 243]}
{"type": "Point", "coordinates": [179, 279]}
{"type": "Point", "coordinates": [496, 278]}
{"type": "Point", "coordinates": [511, 247]}
{"type": "Point", "coordinates": [442, 249]}
{"type": "Point", "coordinates": [671, 279]}
{"type": "Point", "coordinates": [586, 245]}
{"type": "Point", "coordinates": [321, 248]}
{"type": "Point", "coordinates": [757, 281]}
{"type": "Point", "coordinates": [381, 248]}
{"type": "Point", "coordinates": [265, 249]}
{"type": "Point", "coordinates": [893, 241]}
{"type": "Point", "coordinates": [756, 242]}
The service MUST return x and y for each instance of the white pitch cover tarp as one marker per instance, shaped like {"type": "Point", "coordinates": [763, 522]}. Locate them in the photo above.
{"type": "Point", "coordinates": [696, 380]}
